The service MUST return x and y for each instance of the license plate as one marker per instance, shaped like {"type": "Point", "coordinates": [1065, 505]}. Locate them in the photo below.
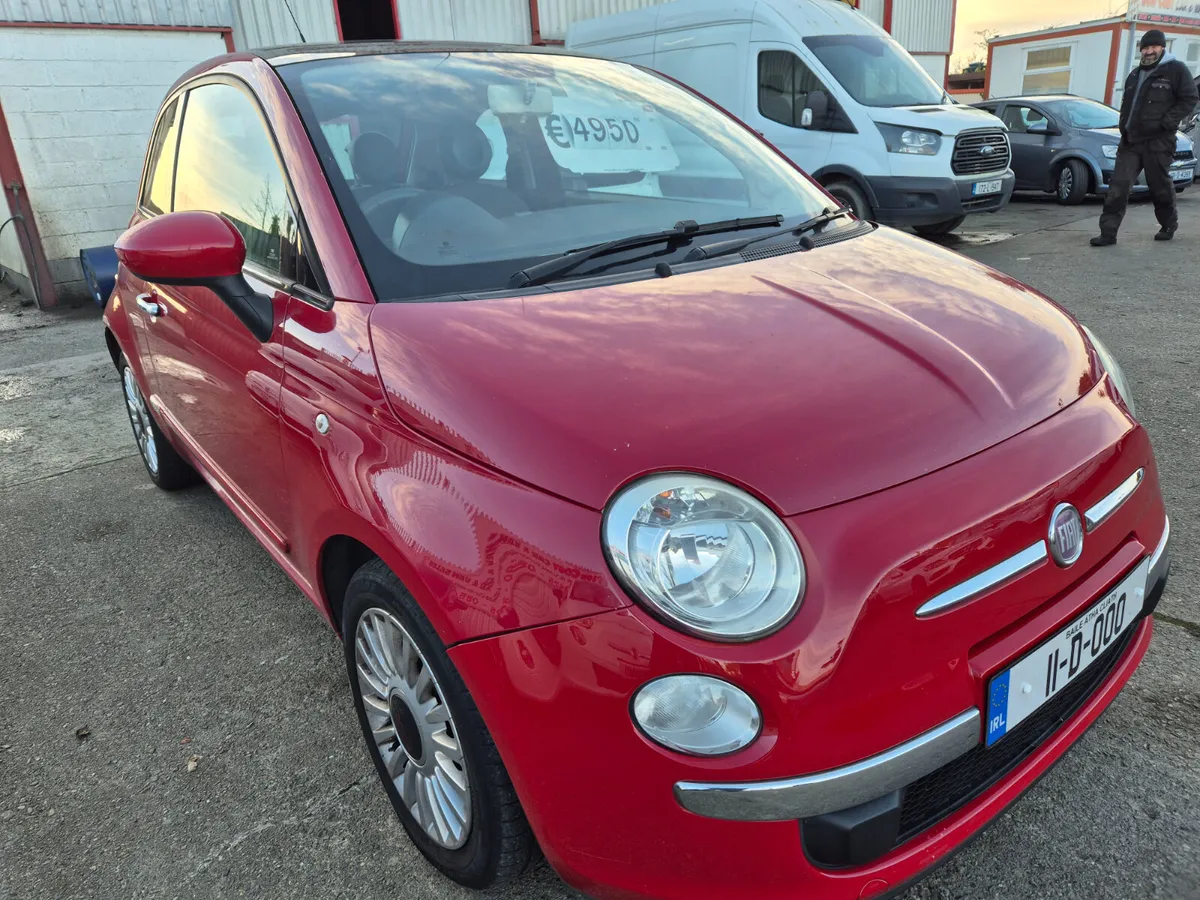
{"type": "Point", "coordinates": [1181, 175]}
{"type": "Point", "coordinates": [1019, 691]}
{"type": "Point", "coordinates": [986, 187]}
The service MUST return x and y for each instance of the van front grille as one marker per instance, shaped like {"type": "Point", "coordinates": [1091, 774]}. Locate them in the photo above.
{"type": "Point", "coordinates": [981, 152]}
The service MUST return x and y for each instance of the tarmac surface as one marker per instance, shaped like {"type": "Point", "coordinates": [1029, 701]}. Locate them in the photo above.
{"type": "Point", "coordinates": [175, 719]}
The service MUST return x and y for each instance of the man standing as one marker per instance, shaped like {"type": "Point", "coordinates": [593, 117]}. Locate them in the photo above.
{"type": "Point", "coordinates": [1159, 94]}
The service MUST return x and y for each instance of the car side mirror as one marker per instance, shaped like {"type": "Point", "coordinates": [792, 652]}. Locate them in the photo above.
{"type": "Point", "coordinates": [200, 249]}
{"type": "Point", "coordinates": [1043, 129]}
{"type": "Point", "coordinates": [816, 110]}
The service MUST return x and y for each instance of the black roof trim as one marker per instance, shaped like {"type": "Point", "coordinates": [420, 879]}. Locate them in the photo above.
{"type": "Point", "coordinates": [376, 48]}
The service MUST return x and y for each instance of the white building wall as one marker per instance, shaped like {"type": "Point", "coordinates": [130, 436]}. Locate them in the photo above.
{"type": "Point", "coordinates": [923, 26]}
{"type": "Point", "coordinates": [500, 21]}
{"type": "Point", "coordinates": [266, 23]}
{"type": "Point", "coordinates": [555, 15]}
{"type": "Point", "coordinates": [1089, 64]}
{"type": "Point", "coordinates": [80, 105]}
{"type": "Point", "coordinates": [873, 10]}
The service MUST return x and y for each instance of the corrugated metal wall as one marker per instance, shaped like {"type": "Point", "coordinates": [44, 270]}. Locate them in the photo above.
{"type": "Point", "coordinates": [500, 21]}
{"type": "Point", "coordinates": [266, 23]}
{"type": "Point", "coordinates": [119, 12]}
{"type": "Point", "coordinates": [923, 26]}
{"type": "Point", "coordinates": [555, 15]}
{"type": "Point", "coordinates": [873, 10]}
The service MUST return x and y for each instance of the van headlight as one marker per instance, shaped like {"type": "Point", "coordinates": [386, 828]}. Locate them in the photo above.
{"type": "Point", "coordinates": [1115, 373]}
{"type": "Point", "coordinates": [705, 556]}
{"type": "Point", "coordinates": [1110, 150]}
{"type": "Point", "coordinates": [916, 141]}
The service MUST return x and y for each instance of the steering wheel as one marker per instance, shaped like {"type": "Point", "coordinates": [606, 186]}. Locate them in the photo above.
{"type": "Point", "coordinates": [373, 203]}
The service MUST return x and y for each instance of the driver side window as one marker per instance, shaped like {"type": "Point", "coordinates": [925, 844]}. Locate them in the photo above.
{"type": "Point", "coordinates": [227, 164]}
{"type": "Point", "coordinates": [1020, 119]}
{"type": "Point", "coordinates": [784, 83]}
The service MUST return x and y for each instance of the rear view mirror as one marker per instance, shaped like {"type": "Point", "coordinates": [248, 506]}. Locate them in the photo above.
{"type": "Point", "coordinates": [816, 110]}
{"type": "Point", "coordinates": [199, 249]}
{"type": "Point", "coordinates": [514, 99]}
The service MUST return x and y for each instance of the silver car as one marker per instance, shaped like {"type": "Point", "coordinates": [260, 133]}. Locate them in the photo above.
{"type": "Point", "coordinates": [1067, 146]}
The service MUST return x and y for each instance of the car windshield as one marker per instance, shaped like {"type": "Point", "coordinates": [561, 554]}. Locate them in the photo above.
{"type": "Point", "coordinates": [875, 70]}
{"type": "Point", "coordinates": [456, 170]}
{"type": "Point", "coordinates": [1083, 113]}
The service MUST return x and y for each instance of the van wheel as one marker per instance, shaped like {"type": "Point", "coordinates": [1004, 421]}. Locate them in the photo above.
{"type": "Point", "coordinates": [939, 229]}
{"type": "Point", "coordinates": [851, 195]}
{"type": "Point", "coordinates": [1071, 189]}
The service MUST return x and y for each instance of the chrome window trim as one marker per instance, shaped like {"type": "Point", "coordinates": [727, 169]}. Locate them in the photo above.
{"type": "Point", "coordinates": [1027, 559]}
{"type": "Point", "coordinates": [1098, 514]}
{"type": "Point", "coordinates": [826, 792]}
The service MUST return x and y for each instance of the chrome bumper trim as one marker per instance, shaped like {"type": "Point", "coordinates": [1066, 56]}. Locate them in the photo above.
{"type": "Point", "coordinates": [1097, 515]}
{"type": "Point", "coordinates": [986, 580]}
{"type": "Point", "coordinates": [1160, 554]}
{"type": "Point", "coordinates": [826, 792]}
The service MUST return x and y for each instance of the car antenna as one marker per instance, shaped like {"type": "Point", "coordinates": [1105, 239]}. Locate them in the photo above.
{"type": "Point", "coordinates": [288, 4]}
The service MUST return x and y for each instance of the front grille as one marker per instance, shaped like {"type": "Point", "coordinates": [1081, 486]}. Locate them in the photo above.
{"type": "Point", "coordinates": [970, 157]}
{"type": "Point", "coordinates": [1184, 155]}
{"type": "Point", "coordinates": [932, 798]}
{"type": "Point", "coordinates": [993, 202]}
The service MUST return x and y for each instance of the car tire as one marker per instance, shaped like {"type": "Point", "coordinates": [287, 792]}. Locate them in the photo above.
{"type": "Point", "coordinates": [479, 836]}
{"type": "Point", "coordinates": [939, 229]}
{"type": "Point", "coordinates": [166, 468]}
{"type": "Point", "coordinates": [1071, 186]}
{"type": "Point", "coordinates": [851, 195]}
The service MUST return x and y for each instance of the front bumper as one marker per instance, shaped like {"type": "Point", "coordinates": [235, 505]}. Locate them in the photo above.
{"type": "Point", "coordinates": [1183, 174]}
{"type": "Point", "coordinates": [855, 676]}
{"type": "Point", "coordinates": [907, 200]}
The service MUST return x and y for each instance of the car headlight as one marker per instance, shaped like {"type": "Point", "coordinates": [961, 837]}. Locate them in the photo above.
{"type": "Point", "coordinates": [910, 140]}
{"type": "Point", "coordinates": [1110, 150]}
{"type": "Point", "coordinates": [707, 557]}
{"type": "Point", "coordinates": [1115, 373]}
{"type": "Point", "coordinates": [696, 714]}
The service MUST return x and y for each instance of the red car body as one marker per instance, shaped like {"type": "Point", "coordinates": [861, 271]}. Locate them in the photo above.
{"type": "Point", "coordinates": [945, 411]}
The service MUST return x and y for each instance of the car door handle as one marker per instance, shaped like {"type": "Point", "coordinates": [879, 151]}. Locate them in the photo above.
{"type": "Point", "coordinates": [147, 305]}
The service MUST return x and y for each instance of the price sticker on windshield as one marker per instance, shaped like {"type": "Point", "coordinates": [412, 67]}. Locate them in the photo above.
{"type": "Point", "coordinates": [587, 138]}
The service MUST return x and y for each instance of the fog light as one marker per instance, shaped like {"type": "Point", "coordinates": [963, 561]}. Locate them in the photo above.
{"type": "Point", "coordinates": [697, 715]}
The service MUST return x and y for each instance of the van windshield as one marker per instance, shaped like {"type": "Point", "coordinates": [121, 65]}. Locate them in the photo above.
{"type": "Point", "coordinates": [875, 71]}
{"type": "Point", "coordinates": [456, 171]}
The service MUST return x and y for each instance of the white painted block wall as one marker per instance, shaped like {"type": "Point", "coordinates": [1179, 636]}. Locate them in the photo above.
{"type": "Point", "coordinates": [80, 104]}
{"type": "Point", "coordinates": [1089, 64]}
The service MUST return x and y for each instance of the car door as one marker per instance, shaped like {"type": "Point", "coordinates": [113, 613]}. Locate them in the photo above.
{"type": "Point", "coordinates": [218, 386]}
{"type": "Point", "coordinates": [1031, 150]}
{"type": "Point", "coordinates": [155, 199]}
{"type": "Point", "coordinates": [781, 89]}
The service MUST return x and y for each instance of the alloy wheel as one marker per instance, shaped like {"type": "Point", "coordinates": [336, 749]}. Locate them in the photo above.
{"type": "Point", "coordinates": [413, 729]}
{"type": "Point", "coordinates": [139, 416]}
{"type": "Point", "coordinates": [1066, 183]}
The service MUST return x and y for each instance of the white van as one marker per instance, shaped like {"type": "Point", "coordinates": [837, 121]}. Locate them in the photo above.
{"type": "Point", "coordinates": [831, 90]}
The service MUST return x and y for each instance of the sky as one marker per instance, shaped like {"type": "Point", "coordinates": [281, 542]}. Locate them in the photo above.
{"type": "Point", "coordinates": [1013, 16]}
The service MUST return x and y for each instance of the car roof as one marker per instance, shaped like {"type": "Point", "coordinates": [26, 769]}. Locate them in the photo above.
{"type": "Point", "coordinates": [1034, 98]}
{"type": "Point", "coordinates": [287, 53]}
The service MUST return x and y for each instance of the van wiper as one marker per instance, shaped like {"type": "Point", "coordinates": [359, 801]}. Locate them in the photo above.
{"type": "Point", "coordinates": [724, 248]}
{"type": "Point", "coordinates": [682, 233]}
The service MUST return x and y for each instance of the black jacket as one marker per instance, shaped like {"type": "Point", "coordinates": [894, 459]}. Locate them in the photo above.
{"type": "Point", "coordinates": [1167, 98]}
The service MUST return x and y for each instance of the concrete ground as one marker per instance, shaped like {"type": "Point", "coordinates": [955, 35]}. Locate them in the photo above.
{"type": "Point", "coordinates": [175, 719]}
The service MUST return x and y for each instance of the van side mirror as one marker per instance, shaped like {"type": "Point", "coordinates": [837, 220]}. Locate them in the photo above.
{"type": "Point", "coordinates": [199, 249]}
{"type": "Point", "coordinates": [816, 110]}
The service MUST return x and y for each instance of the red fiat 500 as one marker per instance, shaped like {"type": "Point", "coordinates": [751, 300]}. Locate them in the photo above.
{"type": "Point", "coordinates": [675, 522]}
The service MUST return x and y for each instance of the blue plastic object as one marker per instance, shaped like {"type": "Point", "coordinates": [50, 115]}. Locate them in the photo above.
{"type": "Point", "coordinates": [100, 271]}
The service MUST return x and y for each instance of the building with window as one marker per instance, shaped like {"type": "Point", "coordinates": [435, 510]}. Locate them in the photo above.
{"type": "Point", "coordinates": [1090, 60]}
{"type": "Point", "coordinates": [81, 82]}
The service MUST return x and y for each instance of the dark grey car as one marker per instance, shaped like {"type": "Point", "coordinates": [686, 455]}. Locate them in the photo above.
{"type": "Point", "coordinates": [1067, 146]}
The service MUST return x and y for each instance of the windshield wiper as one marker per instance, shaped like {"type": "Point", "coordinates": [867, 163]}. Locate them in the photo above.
{"type": "Point", "coordinates": [724, 248]}
{"type": "Point", "coordinates": [682, 233]}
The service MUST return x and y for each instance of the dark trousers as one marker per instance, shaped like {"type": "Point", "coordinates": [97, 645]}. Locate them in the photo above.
{"type": "Point", "coordinates": [1132, 159]}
